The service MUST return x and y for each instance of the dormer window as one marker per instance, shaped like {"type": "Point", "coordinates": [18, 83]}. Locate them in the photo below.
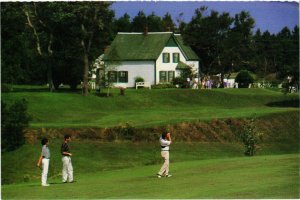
{"type": "Point", "coordinates": [176, 57]}
{"type": "Point", "coordinates": [166, 57]}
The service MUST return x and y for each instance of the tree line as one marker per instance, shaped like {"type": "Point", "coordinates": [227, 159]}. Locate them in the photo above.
{"type": "Point", "coordinates": [57, 42]}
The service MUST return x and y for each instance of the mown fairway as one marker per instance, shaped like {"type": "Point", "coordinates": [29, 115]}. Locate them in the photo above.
{"type": "Point", "coordinates": [147, 108]}
{"type": "Point", "coordinates": [126, 169]}
{"type": "Point", "coordinates": [254, 177]}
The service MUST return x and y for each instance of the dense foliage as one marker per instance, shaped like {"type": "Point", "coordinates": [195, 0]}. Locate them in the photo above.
{"type": "Point", "coordinates": [227, 44]}
{"type": "Point", "coordinates": [14, 119]}
{"type": "Point", "coordinates": [53, 42]}
{"type": "Point", "coordinates": [244, 78]}
{"type": "Point", "coordinates": [57, 42]}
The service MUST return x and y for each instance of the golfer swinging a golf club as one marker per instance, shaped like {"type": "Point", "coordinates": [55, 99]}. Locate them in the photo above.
{"type": "Point", "coordinates": [165, 141]}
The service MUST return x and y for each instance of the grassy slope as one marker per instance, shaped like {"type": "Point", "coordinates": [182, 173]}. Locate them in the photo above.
{"type": "Point", "coordinates": [106, 156]}
{"type": "Point", "coordinates": [99, 166]}
{"type": "Point", "coordinates": [146, 108]}
{"type": "Point", "coordinates": [255, 177]}
{"type": "Point", "coordinates": [103, 156]}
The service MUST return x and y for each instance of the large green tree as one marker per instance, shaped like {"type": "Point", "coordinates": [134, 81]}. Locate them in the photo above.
{"type": "Point", "coordinates": [289, 55]}
{"type": "Point", "coordinates": [93, 20]}
{"type": "Point", "coordinates": [39, 20]}
{"type": "Point", "coordinates": [139, 22]}
{"type": "Point", "coordinates": [18, 63]}
{"type": "Point", "coordinates": [123, 24]}
{"type": "Point", "coordinates": [238, 44]}
{"type": "Point", "coordinates": [168, 23]}
{"type": "Point", "coordinates": [206, 34]}
{"type": "Point", "coordinates": [154, 23]}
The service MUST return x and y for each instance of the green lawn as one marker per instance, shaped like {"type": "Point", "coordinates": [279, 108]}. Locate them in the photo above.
{"type": "Point", "coordinates": [146, 108]}
{"type": "Point", "coordinates": [244, 177]}
{"type": "Point", "coordinates": [103, 156]}
{"type": "Point", "coordinates": [107, 156]}
{"type": "Point", "coordinates": [201, 170]}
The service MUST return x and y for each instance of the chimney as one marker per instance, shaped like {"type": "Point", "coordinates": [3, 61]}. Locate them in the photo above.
{"type": "Point", "coordinates": [146, 30]}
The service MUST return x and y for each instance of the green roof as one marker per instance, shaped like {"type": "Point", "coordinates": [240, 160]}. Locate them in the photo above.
{"type": "Point", "coordinates": [190, 54]}
{"type": "Point", "coordinates": [137, 46]}
{"type": "Point", "coordinates": [182, 65]}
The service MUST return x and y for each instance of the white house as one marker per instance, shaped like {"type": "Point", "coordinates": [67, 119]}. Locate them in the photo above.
{"type": "Point", "coordinates": [157, 57]}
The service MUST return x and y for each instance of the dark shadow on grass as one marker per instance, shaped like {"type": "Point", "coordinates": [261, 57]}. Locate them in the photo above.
{"type": "Point", "coordinates": [61, 90]}
{"type": "Point", "coordinates": [57, 183]}
{"type": "Point", "coordinates": [288, 103]}
{"type": "Point", "coordinates": [104, 94]}
{"type": "Point", "coordinates": [51, 183]}
{"type": "Point", "coordinates": [30, 90]}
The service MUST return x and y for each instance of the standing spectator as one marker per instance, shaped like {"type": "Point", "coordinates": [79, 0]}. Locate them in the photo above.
{"type": "Point", "coordinates": [165, 141]}
{"type": "Point", "coordinates": [67, 171]}
{"type": "Point", "coordinates": [203, 83]}
{"type": "Point", "coordinates": [44, 159]}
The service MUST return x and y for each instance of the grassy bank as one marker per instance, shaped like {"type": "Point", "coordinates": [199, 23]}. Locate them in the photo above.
{"type": "Point", "coordinates": [91, 156]}
{"type": "Point", "coordinates": [256, 177]}
{"type": "Point", "coordinates": [207, 158]}
{"type": "Point", "coordinates": [103, 156]}
{"type": "Point", "coordinates": [147, 108]}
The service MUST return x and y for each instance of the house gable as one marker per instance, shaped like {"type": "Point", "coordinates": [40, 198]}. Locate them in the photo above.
{"type": "Point", "coordinates": [171, 43]}
{"type": "Point", "coordinates": [187, 50]}
{"type": "Point", "coordinates": [138, 46]}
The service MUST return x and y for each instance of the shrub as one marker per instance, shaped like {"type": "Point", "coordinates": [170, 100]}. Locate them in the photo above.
{"type": "Point", "coordinates": [6, 87]}
{"type": "Point", "coordinates": [163, 86]}
{"type": "Point", "coordinates": [244, 78]}
{"type": "Point", "coordinates": [250, 137]}
{"type": "Point", "coordinates": [139, 79]}
{"type": "Point", "coordinates": [181, 81]}
{"type": "Point", "coordinates": [14, 119]}
{"type": "Point", "coordinates": [126, 131]}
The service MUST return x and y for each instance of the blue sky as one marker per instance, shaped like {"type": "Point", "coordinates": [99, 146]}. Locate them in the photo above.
{"type": "Point", "coordinates": [271, 16]}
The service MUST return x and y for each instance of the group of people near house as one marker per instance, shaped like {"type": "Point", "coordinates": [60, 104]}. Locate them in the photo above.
{"type": "Point", "coordinates": [67, 169]}
{"type": "Point", "coordinates": [207, 83]}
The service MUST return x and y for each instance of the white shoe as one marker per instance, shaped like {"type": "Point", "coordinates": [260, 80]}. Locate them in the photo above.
{"type": "Point", "coordinates": [158, 176]}
{"type": "Point", "coordinates": [168, 175]}
{"type": "Point", "coordinates": [45, 185]}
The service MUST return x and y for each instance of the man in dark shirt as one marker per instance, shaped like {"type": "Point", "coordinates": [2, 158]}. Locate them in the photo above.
{"type": "Point", "coordinates": [67, 172]}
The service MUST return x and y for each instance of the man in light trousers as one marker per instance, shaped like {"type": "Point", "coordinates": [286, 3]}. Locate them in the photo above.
{"type": "Point", "coordinates": [45, 160]}
{"type": "Point", "coordinates": [67, 172]}
{"type": "Point", "coordinates": [165, 142]}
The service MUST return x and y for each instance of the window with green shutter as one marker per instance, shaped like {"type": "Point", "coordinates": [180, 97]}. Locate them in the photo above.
{"type": "Point", "coordinates": [123, 77]}
{"type": "Point", "coordinates": [176, 57]}
{"type": "Point", "coordinates": [166, 57]}
{"type": "Point", "coordinates": [171, 75]}
{"type": "Point", "coordinates": [163, 76]}
{"type": "Point", "coordinates": [112, 76]}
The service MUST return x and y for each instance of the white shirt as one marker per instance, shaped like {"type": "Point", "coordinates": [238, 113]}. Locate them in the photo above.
{"type": "Point", "coordinates": [164, 144]}
{"type": "Point", "coordinates": [45, 152]}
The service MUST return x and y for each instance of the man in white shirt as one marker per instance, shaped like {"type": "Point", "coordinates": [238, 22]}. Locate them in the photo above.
{"type": "Point", "coordinates": [165, 141]}
{"type": "Point", "coordinates": [44, 159]}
